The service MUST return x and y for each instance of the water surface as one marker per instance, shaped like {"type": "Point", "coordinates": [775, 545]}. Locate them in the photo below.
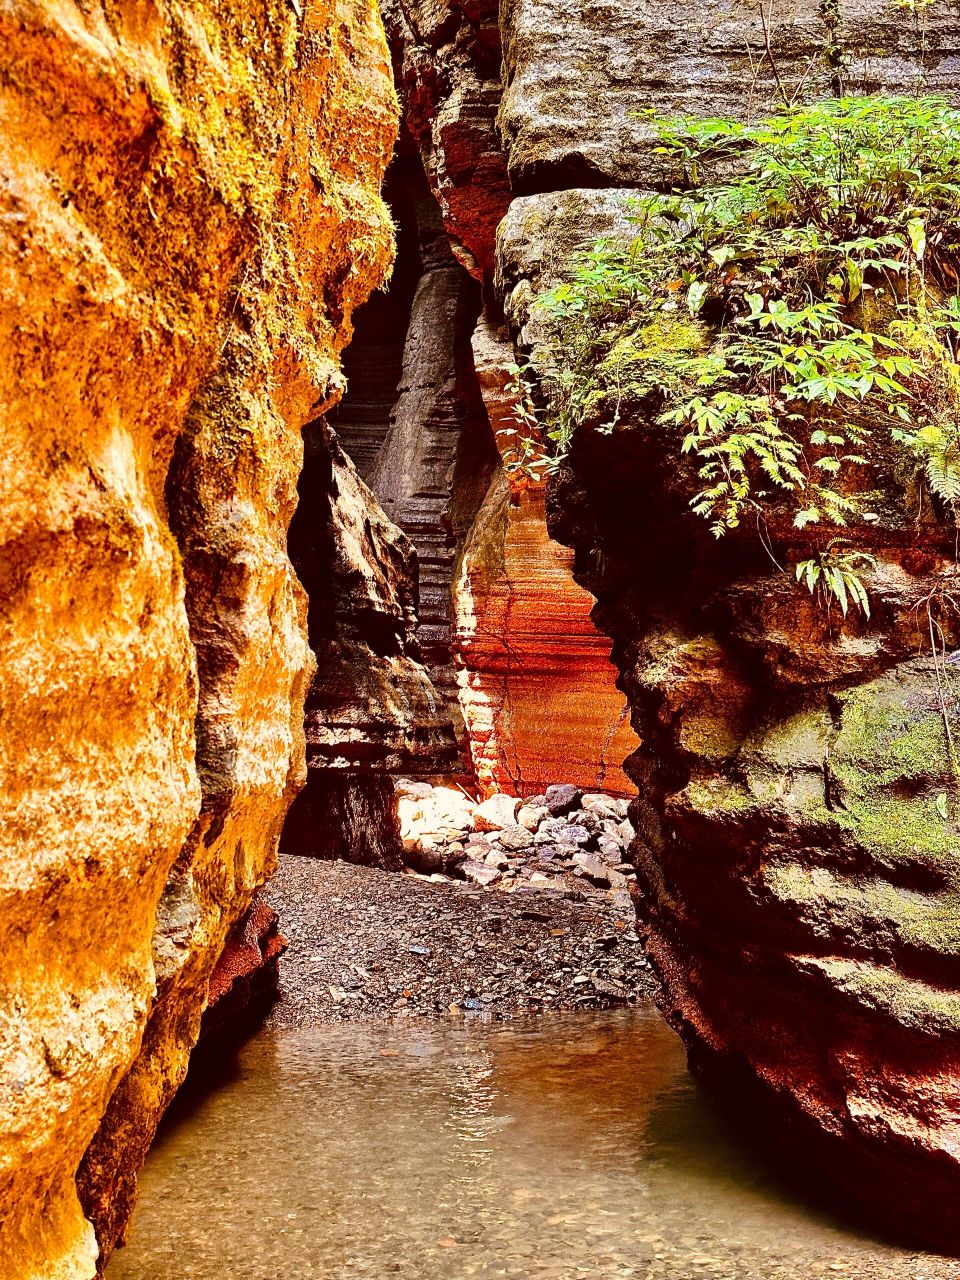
{"type": "Point", "coordinates": [574, 1145]}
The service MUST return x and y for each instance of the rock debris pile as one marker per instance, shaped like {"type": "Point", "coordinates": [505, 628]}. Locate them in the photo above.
{"type": "Point", "coordinates": [565, 841]}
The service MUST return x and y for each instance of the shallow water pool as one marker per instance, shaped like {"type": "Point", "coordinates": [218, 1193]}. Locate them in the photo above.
{"type": "Point", "coordinates": [569, 1146]}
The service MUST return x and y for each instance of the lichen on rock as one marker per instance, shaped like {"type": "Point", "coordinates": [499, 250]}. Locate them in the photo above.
{"type": "Point", "coordinates": [796, 826]}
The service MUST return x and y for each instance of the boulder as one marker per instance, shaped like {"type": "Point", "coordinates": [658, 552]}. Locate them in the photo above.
{"type": "Point", "coordinates": [411, 789]}
{"type": "Point", "coordinates": [610, 850]}
{"type": "Point", "coordinates": [562, 798]}
{"type": "Point", "coordinates": [515, 839]}
{"type": "Point", "coordinates": [569, 834]}
{"type": "Point", "coordinates": [495, 812]}
{"type": "Point", "coordinates": [480, 873]}
{"type": "Point", "coordinates": [426, 859]}
{"type": "Point", "coordinates": [596, 871]}
{"type": "Point", "coordinates": [589, 821]}
{"type": "Point", "coordinates": [604, 806]}
{"type": "Point", "coordinates": [531, 816]}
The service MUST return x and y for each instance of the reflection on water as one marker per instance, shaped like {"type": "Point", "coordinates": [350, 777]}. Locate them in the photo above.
{"type": "Point", "coordinates": [567, 1147]}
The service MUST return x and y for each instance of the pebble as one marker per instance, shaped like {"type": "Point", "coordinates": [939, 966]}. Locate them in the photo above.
{"type": "Point", "coordinates": [365, 942]}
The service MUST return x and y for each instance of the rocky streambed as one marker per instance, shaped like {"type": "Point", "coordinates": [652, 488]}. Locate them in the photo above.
{"type": "Point", "coordinates": [366, 943]}
{"type": "Point", "coordinates": [565, 841]}
{"type": "Point", "coordinates": [506, 906]}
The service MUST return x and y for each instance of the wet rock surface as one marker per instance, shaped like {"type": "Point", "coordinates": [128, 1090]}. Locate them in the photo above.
{"type": "Point", "coordinates": [366, 943]}
{"type": "Point", "coordinates": [798, 881]}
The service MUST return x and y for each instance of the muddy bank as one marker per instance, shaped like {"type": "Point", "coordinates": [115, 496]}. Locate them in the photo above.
{"type": "Point", "coordinates": [366, 943]}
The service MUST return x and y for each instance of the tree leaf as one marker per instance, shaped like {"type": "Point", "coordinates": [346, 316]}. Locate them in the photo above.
{"type": "Point", "coordinates": [918, 236]}
{"type": "Point", "coordinates": [854, 280]}
{"type": "Point", "coordinates": [696, 294]}
{"type": "Point", "coordinates": [756, 304]}
{"type": "Point", "coordinates": [809, 515]}
{"type": "Point", "coordinates": [723, 254]}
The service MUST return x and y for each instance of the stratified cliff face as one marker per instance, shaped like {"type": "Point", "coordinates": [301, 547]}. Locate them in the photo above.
{"type": "Point", "coordinates": [372, 710]}
{"type": "Point", "coordinates": [536, 683]}
{"type": "Point", "coordinates": [190, 215]}
{"type": "Point", "coordinates": [536, 686]}
{"type": "Point", "coordinates": [448, 66]}
{"type": "Point", "coordinates": [797, 857]}
{"type": "Point", "coordinates": [438, 452]}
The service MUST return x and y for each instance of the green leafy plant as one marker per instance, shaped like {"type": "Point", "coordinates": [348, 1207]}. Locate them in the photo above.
{"type": "Point", "coordinates": [834, 575]}
{"type": "Point", "coordinates": [521, 446]}
{"type": "Point", "coordinates": [802, 277]}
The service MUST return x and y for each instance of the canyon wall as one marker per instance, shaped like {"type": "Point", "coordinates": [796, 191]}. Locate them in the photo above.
{"type": "Point", "coordinates": [797, 859]}
{"type": "Point", "coordinates": [191, 213]}
{"type": "Point", "coordinates": [536, 688]}
{"type": "Point", "coordinates": [372, 710]}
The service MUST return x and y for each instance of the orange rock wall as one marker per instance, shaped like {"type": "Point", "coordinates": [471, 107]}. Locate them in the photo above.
{"type": "Point", "coordinates": [536, 682]}
{"type": "Point", "coordinates": [537, 688]}
{"type": "Point", "coordinates": [536, 685]}
{"type": "Point", "coordinates": [189, 212]}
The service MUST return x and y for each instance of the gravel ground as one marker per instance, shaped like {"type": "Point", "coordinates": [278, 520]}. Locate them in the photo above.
{"type": "Point", "coordinates": [367, 943]}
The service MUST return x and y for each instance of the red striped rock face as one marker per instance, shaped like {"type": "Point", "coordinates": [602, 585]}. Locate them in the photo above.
{"type": "Point", "coordinates": [536, 683]}
{"type": "Point", "coordinates": [537, 690]}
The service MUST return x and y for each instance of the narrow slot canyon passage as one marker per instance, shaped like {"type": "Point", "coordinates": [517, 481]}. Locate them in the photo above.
{"type": "Point", "coordinates": [465, 1074]}
{"type": "Point", "coordinates": [479, 637]}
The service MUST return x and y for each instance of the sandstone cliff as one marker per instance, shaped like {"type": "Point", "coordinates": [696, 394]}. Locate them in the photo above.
{"type": "Point", "coordinates": [798, 881]}
{"type": "Point", "coordinates": [536, 687]}
{"type": "Point", "coordinates": [190, 215]}
{"type": "Point", "coordinates": [536, 683]}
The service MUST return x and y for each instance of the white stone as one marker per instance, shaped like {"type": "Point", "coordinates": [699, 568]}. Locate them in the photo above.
{"type": "Point", "coordinates": [495, 813]}
{"type": "Point", "coordinates": [530, 816]}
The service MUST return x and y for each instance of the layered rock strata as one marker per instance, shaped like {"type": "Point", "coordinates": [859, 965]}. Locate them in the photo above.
{"type": "Point", "coordinates": [796, 839]}
{"type": "Point", "coordinates": [187, 227]}
{"type": "Point", "coordinates": [536, 686]}
{"type": "Point", "coordinates": [437, 454]}
{"type": "Point", "coordinates": [448, 68]}
{"type": "Point", "coordinates": [796, 855]}
{"type": "Point", "coordinates": [372, 710]}
{"type": "Point", "coordinates": [412, 418]}
{"type": "Point", "coordinates": [536, 683]}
